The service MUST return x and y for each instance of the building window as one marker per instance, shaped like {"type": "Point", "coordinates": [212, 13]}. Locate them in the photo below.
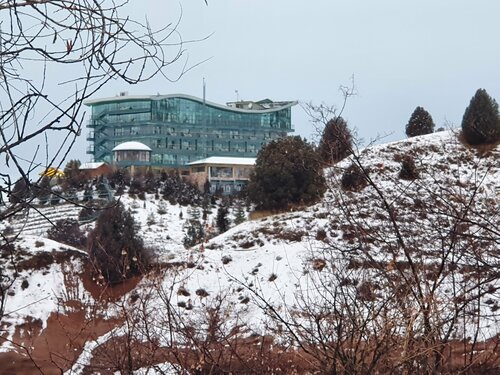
{"type": "Point", "coordinates": [156, 158]}
{"type": "Point", "coordinates": [243, 172]}
{"type": "Point", "coordinates": [169, 159]}
{"type": "Point", "coordinates": [221, 172]}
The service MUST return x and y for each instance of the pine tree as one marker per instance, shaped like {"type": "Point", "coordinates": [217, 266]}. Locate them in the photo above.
{"type": "Point", "coordinates": [240, 216]}
{"type": "Point", "coordinates": [20, 192]}
{"type": "Point", "coordinates": [222, 220]}
{"type": "Point", "coordinates": [480, 123]}
{"type": "Point", "coordinates": [73, 175]}
{"type": "Point", "coordinates": [287, 172]}
{"type": "Point", "coordinates": [114, 245]}
{"type": "Point", "coordinates": [336, 141]}
{"type": "Point", "coordinates": [43, 190]}
{"type": "Point", "coordinates": [420, 123]}
{"type": "Point", "coordinates": [194, 233]}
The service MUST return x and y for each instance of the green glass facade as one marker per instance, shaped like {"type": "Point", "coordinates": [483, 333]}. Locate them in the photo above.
{"type": "Point", "coordinates": [180, 128]}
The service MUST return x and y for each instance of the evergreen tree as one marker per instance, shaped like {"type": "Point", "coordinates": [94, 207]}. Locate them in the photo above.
{"type": "Point", "coordinates": [240, 216]}
{"type": "Point", "coordinates": [72, 173]}
{"type": "Point", "coordinates": [88, 194]}
{"type": "Point", "coordinates": [205, 206]}
{"type": "Point", "coordinates": [287, 171]}
{"type": "Point", "coordinates": [420, 123]}
{"type": "Point", "coordinates": [150, 182]}
{"type": "Point", "coordinates": [43, 190]}
{"type": "Point", "coordinates": [194, 233]}
{"type": "Point", "coordinates": [119, 178]}
{"type": "Point", "coordinates": [114, 245]}
{"type": "Point", "coordinates": [336, 141]}
{"type": "Point", "coordinates": [222, 221]}
{"type": "Point", "coordinates": [480, 124]}
{"type": "Point", "coordinates": [20, 192]}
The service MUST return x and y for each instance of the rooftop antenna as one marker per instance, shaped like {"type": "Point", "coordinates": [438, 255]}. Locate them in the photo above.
{"type": "Point", "coordinates": [237, 95]}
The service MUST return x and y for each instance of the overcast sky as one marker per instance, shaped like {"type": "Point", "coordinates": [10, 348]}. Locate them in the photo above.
{"type": "Point", "coordinates": [402, 54]}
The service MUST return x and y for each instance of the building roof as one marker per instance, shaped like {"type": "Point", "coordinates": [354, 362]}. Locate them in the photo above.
{"type": "Point", "coordinates": [94, 165]}
{"type": "Point", "coordinates": [276, 107]}
{"type": "Point", "coordinates": [132, 146]}
{"type": "Point", "coordinates": [225, 160]}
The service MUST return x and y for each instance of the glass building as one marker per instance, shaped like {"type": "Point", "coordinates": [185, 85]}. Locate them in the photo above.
{"type": "Point", "coordinates": [181, 129]}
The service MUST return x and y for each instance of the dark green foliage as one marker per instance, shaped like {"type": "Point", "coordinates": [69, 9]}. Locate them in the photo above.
{"type": "Point", "coordinates": [114, 245]}
{"type": "Point", "coordinates": [102, 189]}
{"type": "Point", "coordinates": [73, 176]}
{"type": "Point", "coordinates": [205, 206]}
{"type": "Point", "coordinates": [194, 229]}
{"type": "Point", "coordinates": [42, 190]}
{"type": "Point", "coordinates": [240, 215]}
{"type": "Point", "coordinates": [88, 194]}
{"type": "Point", "coordinates": [20, 192]}
{"type": "Point", "coordinates": [92, 210]}
{"type": "Point", "coordinates": [150, 182]}
{"type": "Point", "coordinates": [408, 168]}
{"type": "Point", "coordinates": [175, 190]}
{"type": "Point", "coordinates": [420, 123]}
{"type": "Point", "coordinates": [194, 233]}
{"type": "Point", "coordinates": [55, 198]}
{"type": "Point", "coordinates": [119, 178]}
{"type": "Point", "coordinates": [480, 124]}
{"type": "Point", "coordinates": [353, 178]}
{"type": "Point", "coordinates": [222, 221]}
{"type": "Point", "coordinates": [336, 141]}
{"type": "Point", "coordinates": [287, 172]}
{"type": "Point", "coordinates": [136, 186]}
{"type": "Point", "coordinates": [67, 231]}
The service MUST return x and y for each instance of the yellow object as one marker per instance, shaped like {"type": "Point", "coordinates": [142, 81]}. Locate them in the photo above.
{"type": "Point", "coordinates": [52, 172]}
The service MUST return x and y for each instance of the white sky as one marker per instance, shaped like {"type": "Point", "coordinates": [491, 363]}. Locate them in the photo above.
{"type": "Point", "coordinates": [403, 54]}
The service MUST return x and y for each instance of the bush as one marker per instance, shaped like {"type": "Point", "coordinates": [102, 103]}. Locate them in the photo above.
{"type": "Point", "coordinates": [420, 123]}
{"type": "Point", "coordinates": [353, 178]}
{"type": "Point", "coordinates": [408, 169]}
{"type": "Point", "coordinates": [480, 124]}
{"type": "Point", "coordinates": [287, 171]}
{"type": "Point", "coordinates": [336, 141]}
{"type": "Point", "coordinates": [175, 190]}
{"type": "Point", "coordinates": [115, 248]}
{"type": "Point", "coordinates": [92, 210]}
{"type": "Point", "coordinates": [119, 178]}
{"type": "Point", "coordinates": [67, 231]}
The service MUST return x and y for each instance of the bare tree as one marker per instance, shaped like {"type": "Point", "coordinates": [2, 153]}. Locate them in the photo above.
{"type": "Point", "coordinates": [54, 55]}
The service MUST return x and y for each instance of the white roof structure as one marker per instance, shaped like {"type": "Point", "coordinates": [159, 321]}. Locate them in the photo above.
{"type": "Point", "coordinates": [91, 165]}
{"type": "Point", "coordinates": [225, 160]}
{"type": "Point", "coordinates": [132, 146]}
{"type": "Point", "coordinates": [263, 106]}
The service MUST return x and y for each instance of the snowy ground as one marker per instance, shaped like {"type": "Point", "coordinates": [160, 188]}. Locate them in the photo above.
{"type": "Point", "coordinates": [277, 260]}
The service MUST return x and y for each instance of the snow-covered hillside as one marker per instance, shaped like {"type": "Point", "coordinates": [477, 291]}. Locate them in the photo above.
{"type": "Point", "coordinates": [416, 258]}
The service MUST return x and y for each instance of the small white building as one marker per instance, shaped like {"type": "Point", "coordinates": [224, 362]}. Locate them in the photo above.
{"type": "Point", "coordinates": [226, 174]}
{"type": "Point", "coordinates": [132, 153]}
